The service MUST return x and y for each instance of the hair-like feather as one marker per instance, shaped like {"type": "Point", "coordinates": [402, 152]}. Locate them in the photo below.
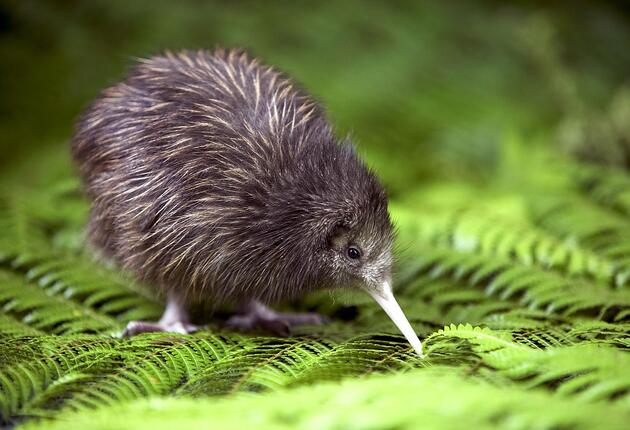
{"type": "Point", "coordinates": [216, 177]}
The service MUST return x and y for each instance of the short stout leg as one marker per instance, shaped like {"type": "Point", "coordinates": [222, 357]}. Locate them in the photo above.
{"type": "Point", "coordinates": [256, 315]}
{"type": "Point", "coordinates": [174, 320]}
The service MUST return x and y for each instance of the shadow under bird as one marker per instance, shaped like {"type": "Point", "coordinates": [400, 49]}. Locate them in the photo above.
{"type": "Point", "coordinates": [217, 179]}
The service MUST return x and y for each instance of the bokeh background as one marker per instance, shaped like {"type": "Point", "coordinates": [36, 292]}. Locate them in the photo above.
{"type": "Point", "coordinates": [428, 89]}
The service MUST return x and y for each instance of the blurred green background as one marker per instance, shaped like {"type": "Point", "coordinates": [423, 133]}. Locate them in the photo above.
{"type": "Point", "coordinates": [429, 90]}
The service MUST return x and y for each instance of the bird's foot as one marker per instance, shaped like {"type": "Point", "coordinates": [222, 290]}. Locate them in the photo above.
{"type": "Point", "coordinates": [256, 315]}
{"type": "Point", "coordinates": [136, 327]}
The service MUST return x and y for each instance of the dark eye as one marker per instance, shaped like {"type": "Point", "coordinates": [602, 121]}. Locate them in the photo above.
{"type": "Point", "coordinates": [353, 253]}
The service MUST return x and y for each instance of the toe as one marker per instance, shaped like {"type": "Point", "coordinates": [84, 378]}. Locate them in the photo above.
{"type": "Point", "coordinates": [317, 319]}
{"type": "Point", "coordinates": [306, 319]}
{"type": "Point", "coordinates": [136, 327]}
{"type": "Point", "coordinates": [240, 322]}
{"type": "Point", "coordinates": [277, 326]}
{"type": "Point", "coordinates": [191, 328]}
{"type": "Point", "coordinates": [176, 327]}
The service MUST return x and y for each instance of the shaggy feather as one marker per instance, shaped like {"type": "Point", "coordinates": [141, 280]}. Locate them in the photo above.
{"type": "Point", "coordinates": [217, 178]}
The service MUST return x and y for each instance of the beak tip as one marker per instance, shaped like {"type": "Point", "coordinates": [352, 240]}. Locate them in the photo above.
{"type": "Point", "coordinates": [418, 349]}
{"type": "Point", "coordinates": [386, 300]}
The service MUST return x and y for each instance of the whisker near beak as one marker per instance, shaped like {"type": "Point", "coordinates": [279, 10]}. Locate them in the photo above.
{"type": "Point", "coordinates": [385, 298]}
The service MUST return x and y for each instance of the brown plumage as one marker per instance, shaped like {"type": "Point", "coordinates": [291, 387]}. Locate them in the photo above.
{"type": "Point", "coordinates": [217, 179]}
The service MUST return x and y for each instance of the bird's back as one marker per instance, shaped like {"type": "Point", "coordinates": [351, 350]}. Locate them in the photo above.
{"type": "Point", "coordinates": [182, 158]}
{"type": "Point", "coordinates": [222, 109]}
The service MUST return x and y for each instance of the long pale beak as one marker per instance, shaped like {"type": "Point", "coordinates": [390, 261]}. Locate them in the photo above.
{"type": "Point", "coordinates": [384, 297]}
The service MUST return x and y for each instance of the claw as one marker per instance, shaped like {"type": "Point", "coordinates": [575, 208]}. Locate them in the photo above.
{"type": "Point", "coordinates": [137, 327]}
{"type": "Point", "coordinates": [257, 315]}
{"type": "Point", "coordinates": [174, 320]}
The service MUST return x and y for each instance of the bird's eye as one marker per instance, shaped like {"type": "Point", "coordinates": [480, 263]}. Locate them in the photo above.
{"type": "Point", "coordinates": [353, 253]}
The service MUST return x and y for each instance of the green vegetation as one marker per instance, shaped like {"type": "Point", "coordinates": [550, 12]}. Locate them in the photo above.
{"type": "Point", "coordinates": [502, 135]}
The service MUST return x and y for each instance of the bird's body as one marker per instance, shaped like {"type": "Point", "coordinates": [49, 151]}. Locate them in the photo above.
{"type": "Point", "coordinates": [217, 179]}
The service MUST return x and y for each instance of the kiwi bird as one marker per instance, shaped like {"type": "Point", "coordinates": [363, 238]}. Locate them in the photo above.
{"type": "Point", "coordinates": [217, 179]}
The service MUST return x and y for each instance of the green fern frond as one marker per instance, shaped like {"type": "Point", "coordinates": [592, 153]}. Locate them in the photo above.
{"type": "Point", "coordinates": [587, 372]}
{"type": "Point", "coordinates": [607, 187]}
{"type": "Point", "coordinates": [435, 398]}
{"type": "Point", "coordinates": [31, 305]}
{"type": "Point", "coordinates": [604, 232]}
{"type": "Point", "coordinates": [482, 232]}
{"type": "Point", "coordinates": [85, 282]}
{"type": "Point", "coordinates": [34, 364]}
{"type": "Point", "coordinates": [525, 286]}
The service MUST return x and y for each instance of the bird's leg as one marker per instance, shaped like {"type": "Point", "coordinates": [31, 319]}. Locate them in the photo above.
{"type": "Point", "coordinates": [256, 315]}
{"type": "Point", "coordinates": [174, 319]}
